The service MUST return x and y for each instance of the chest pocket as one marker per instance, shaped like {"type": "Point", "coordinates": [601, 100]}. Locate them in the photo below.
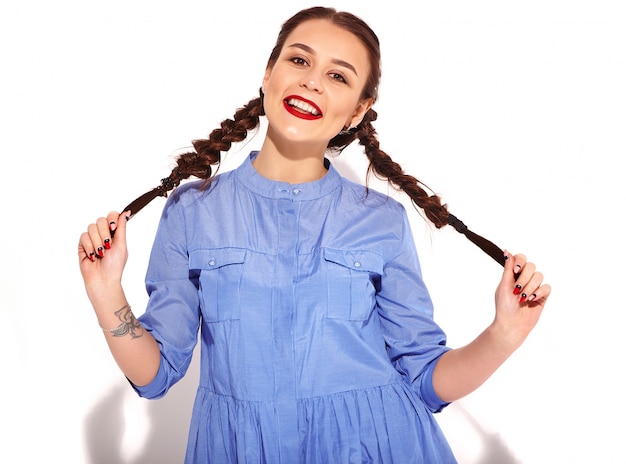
{"type": "Point", "coordinates": [352, 277]}
{"type": "Point", "coordinates": [221, 271]}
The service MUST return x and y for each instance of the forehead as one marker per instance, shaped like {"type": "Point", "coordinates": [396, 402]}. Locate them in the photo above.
{"type": "Point", "coordinates": [326, 38]}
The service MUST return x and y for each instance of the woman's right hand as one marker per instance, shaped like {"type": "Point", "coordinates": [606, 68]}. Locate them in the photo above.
{"type": "Point", "coordinates": [102, 255]}
{"type": "Point", "coordinates": [102, 252]}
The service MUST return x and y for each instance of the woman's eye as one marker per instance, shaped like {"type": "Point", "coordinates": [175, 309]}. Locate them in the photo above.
{"type": "Point", "coordinates": [298, 60]}
{"type": "Point", "coordinates": [338, 77]}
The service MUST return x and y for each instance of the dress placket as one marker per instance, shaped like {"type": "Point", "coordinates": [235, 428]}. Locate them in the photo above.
{"type": "Point", "coordinates": [283, 307]}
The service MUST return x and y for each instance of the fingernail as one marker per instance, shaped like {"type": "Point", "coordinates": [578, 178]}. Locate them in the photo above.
{"type": "Point", "coordinates": [532, 297]}
{"type": "Point", "coordinates": [107, 243]}
{"type": "Point", "coordinates": [101, 252]}
{"type": "Point", "coordinates": [517, 289]}
{"type": "Point", "coordinates": [92, 256]}
{"type": "Point", "coordinates": [112, 225]}
{"type": "Point", "coordinates": [517, 268]}
{"type": "Point", "coordinates": [523, 298]}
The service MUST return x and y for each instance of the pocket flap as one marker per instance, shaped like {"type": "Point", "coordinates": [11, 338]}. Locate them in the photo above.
{"type": "Point", "coordinates": [215, 258]}
{"type": "Point", "coordinates": [357, 260]}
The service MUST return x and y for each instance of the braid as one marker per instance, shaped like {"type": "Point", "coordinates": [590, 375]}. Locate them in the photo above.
{"type": "Point", "coordinates": [221, 139]}
{"type": "Point", "coordinates": [382, 165]}
{"type": "Point", "coordinates": [207, 153]}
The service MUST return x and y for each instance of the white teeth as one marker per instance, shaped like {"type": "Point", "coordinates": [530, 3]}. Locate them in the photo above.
{"type": "Point", "coordinates": [303, 106]}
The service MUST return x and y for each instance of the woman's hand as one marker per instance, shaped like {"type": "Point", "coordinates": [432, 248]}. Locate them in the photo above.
{"type": "Point", "coordinates": [520, 298]}
{"type": "Point", "coordinates": [102, 256]}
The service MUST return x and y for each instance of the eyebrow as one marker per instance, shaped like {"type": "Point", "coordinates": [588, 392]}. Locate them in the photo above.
{"type": "Point", "coordinates": [336, 61]}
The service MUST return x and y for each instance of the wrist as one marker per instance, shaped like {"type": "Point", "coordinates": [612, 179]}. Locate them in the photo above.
{"type": "Point", "coordinates": [103, 291]}
{"type": "Point", "coordinates": [506, 337]}
{"type": "Point", "coordinates": [106, 299]}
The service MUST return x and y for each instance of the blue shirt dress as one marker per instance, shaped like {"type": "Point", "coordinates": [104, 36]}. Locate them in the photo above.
{"type": "Point", "coordinates": [316, 330]}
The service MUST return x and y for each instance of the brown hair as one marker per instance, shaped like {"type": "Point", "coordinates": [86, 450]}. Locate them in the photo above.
{"type": "Point", "coordinates": [207, 152]}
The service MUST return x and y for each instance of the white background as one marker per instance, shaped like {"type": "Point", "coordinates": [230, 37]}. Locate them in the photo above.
{"type": "Point", "coordinates": [515, 112]}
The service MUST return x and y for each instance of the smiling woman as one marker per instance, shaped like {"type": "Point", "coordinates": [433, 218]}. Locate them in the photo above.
{"type": "Point", "coordinates": [317, 331]}
{"type": "Point", "coordinates": [319, 78]}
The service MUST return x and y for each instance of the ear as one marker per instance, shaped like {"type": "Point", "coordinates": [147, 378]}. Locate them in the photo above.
{"type": "Point", "coordinates": [266, 77]}
{"type": "Point", "coordinates": [359, 112]}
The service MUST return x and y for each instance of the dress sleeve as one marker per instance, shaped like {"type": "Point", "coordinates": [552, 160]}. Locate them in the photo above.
{"type": "Point", "coordinates": [173, 312]}
{"type": "Point", "coordinates": [414, 341]}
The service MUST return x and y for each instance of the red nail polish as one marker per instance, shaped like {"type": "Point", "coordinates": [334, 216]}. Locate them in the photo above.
{"type": "Point", "coordinates": [101, 252]}
{"type": "Point", "coordinates": [523, 298]}
{"type": "Point", "coordinates": [107, 243]}
{"type": "Point", "coordinates": [92, 256]}
{"type": "Point", "coordinates": [517, 289]}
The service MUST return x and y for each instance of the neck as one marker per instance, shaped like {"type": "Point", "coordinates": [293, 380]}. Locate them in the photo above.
{"type": "Point", "coordinates": [294, 164]}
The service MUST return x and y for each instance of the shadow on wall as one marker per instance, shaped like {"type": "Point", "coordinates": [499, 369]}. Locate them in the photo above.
{"type": "Point", "coordinates": [169, 424]}
{"type": "Point", "coordinates": [494, 449]}
{"type": "Point", "coordinates": [168, 417]}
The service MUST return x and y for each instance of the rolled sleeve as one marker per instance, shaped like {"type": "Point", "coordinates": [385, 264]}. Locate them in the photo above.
{"type": "Point", "coordinates": [414, 341]}
{"type": "Point", "coordinates": [173, 312]}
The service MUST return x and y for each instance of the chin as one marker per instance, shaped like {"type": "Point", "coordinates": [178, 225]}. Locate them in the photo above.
{"type": "Point", "coordinates": [300, 132]}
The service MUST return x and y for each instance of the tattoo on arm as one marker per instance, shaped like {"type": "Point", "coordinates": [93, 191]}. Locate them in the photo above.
{"type": "Point", "coordinates": [130, 324]}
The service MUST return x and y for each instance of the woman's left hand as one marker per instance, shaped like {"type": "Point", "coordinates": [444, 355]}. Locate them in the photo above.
{"type": "Point", "coordinates": [520, 298]}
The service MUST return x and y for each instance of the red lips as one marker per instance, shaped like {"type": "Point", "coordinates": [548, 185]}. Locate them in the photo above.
{"type": "Point", "coordinates": [302, 108]}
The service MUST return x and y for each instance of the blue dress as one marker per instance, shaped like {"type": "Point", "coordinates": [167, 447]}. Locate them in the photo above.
{"type": "Point", "coordinates": [316, 330]}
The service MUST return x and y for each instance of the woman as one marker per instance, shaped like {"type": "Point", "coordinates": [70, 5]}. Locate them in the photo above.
{"type": "Point", "coordinates": [317, 338]}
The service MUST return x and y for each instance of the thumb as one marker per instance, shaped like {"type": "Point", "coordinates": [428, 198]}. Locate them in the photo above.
{"type": "Point", "coordinates": [119, 230]}
{"type": "Point", "coordinates": [508, 275]}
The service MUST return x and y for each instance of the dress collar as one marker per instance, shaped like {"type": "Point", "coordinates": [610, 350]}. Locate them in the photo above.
{"type": "Point", "coordinates": [252, 180]}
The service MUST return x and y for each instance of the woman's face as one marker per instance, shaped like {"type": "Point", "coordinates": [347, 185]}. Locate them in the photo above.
{"type": "Point", "coordinates": [313, 90]}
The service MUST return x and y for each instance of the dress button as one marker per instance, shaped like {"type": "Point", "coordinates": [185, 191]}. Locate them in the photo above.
{"type": "Point", "coordinates": [357, 264]}
{"type": "Point", "coordinates": [296, 191]}
{"type": "Point", "coordinates": [212, 262]}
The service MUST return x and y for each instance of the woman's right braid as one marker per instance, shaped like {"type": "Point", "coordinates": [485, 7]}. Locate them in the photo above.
{"type": "Point", "coordinates": [207, 153]}
{"type": "Point", "coordinates": [382, 165]}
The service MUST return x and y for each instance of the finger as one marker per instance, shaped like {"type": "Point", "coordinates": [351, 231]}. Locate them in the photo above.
{"type": "Point", "coordinates": [507, 273]}
{"type": "Point", "coordinates": [120, 226]}
{"type": "Point", "coordinates": [542, 293]}
{"type": "Point", "coordinates": [512, 267]}
{"type": "Point", "coordinates": [536, 298]}
{"type": "Point", "coordinates": [112, 217]}
{"type": "Point", "coordinates": [105, 236]}
{"type": "Point", "coordinates": [524, 277]}
{"type": "Point", "coordinates": [525, 274]}
{"type": "Point", "coordinates": [86, 249]}
{"type": "Point", "coordinates": [94, 235]}
{"type": "Point", "coordinates": [532, 287]}
{"type": "Point", "coordinates": [519, 261]}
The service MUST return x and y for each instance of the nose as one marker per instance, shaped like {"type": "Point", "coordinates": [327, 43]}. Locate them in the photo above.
{"type": "Point", "coordinates": [312, 82]}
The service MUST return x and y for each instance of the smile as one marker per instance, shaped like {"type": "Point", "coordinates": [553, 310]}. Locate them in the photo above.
{"type": "Point", "coordinates": [301, 108]}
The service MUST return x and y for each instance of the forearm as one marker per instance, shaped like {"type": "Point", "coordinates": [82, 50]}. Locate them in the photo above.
{"type": "Point", "coordinates": [520, 299]}
{"type": "Point", "coordinates": [461, 371]}
{"type": "Point", "coordinates": [133, 348]}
